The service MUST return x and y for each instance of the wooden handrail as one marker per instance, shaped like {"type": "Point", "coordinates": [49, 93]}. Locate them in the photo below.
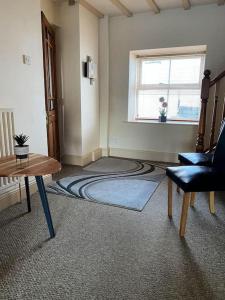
{"type": "Point", "coordinates": [217, 78]}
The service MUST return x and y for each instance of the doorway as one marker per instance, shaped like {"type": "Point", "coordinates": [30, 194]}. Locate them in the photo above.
{"type": "Point", "coordinates": [50, 78]}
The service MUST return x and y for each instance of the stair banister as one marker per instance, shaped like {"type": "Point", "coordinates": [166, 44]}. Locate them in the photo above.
{"type": "Point", "coordinates": [202, 120]}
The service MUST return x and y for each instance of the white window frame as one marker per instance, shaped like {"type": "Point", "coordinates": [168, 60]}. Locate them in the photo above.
{"type": "Point", "coordinates": [140, 86]}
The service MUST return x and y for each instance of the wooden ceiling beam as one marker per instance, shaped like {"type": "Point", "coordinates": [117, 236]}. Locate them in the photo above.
{"type": "Point", "coordinates": [221, 2]}
{"type": "Point", "coordinates": [125, 11]}
{"type": "Point", "coordinates": [186, 4]}
{"type": "Point", "coordinates": [91, 8]}
{"type": "Point", "coordinates": [153, 6]}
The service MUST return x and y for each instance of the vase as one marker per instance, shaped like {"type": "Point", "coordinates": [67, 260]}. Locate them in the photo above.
{"type": "Point", "coordinates": [162, 119]}
{"type": "Point", "coordinates": [21, 152]}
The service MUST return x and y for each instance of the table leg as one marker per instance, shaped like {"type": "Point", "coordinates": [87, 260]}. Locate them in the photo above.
{"type": "Point", "coordinates": [27, 193]}
{"type": "Point", "coordinates": [44, 200]}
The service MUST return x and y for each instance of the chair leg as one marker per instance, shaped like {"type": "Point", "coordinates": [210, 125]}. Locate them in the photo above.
{"type": "Point", "coordinates": [170, 198]}
{"type": "Point", "coordinates": [27, 193]}
{"type": "Point", "coordinates": [212, 202]}
{"type": "Point", "coordinates": [184, 212]}
{"type": "Point", "coordinates": [192, 202]}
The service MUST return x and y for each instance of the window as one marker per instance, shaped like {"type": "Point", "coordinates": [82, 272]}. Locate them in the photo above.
{"type": "Point", "coordinates": [175, 78]}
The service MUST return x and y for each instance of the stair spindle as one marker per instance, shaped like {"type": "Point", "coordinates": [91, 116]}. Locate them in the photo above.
{"type": "Point", "coordinates": [204, 101]}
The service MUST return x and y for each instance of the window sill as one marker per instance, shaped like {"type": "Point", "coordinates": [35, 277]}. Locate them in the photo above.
{"type": "Point", "coordinates": [162, 123]}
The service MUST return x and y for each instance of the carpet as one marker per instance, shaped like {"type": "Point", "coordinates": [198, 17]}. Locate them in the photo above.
{"type": "Point", "coordinates": [119, 182]}
{"type": "Point", "coordinates": [102, 252]}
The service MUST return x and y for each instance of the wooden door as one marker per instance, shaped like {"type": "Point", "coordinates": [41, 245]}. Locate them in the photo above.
{"type": "Point", "coordinates": [49, 58]}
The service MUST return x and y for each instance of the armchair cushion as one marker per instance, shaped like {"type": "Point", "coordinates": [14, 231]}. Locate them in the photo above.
{"type": "Point", "coordinates": [197, 178]}
{"type": "Point", "coordinates": [197, 159]}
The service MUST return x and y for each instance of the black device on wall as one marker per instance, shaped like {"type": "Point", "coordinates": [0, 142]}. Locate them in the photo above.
{"type": "Point", "coordinates": [90, 69]}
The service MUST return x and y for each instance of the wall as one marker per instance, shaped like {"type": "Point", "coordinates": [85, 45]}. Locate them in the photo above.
{"type": "Point", "coordinates": [22, 86]}
{"type": "Point", "coordinates": [203, 25]}
{"type": "Point", "coordinates": [69, 37]}
{"type": "Point", "coordinates": [104, 83]}
{"type": "Point", "coordinates": [79, 38]}
{"type": "Point", "coordinates": [89, 93]}
{"type": "Point", "coordinates": [51, 11]}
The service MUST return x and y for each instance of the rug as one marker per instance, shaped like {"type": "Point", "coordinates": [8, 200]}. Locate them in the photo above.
{"type": "Point", "coordinates": [113, 181]}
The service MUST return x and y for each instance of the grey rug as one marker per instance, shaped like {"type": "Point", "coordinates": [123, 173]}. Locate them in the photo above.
{"type": "Point", "coordinates": [119, 182]}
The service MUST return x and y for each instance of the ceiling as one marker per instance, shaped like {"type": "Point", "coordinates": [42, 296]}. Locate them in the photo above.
{"type": "Point", "coordinates": [136, 6]}
{"type": "Point", "coordinates": [110, 7]}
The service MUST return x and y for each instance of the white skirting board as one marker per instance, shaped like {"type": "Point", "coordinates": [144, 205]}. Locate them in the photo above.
{"type": "Point", "coordinates": [120, 152]}
{"type": "Point", "coordinates": [84, 160]}
{"type": "Point", "coordinates": [143, 155]}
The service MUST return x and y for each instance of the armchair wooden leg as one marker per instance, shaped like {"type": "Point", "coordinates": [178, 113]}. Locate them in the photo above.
{"type": "Point", "coordinates": [184, 213]}
{"type": "Point", "coordinates": [212, 202]}
{"type": "Point", "coordinates": [192, 202]}
{"type": "Point", "coordinates": [170, 197]}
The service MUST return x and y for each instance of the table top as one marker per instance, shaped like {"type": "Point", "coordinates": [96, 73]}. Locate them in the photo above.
{"type": "Point", "coordinates": [36, 165]}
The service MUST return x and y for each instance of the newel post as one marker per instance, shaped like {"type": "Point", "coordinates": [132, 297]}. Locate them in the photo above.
{"type": "Point", "coordinates": [202, 120]}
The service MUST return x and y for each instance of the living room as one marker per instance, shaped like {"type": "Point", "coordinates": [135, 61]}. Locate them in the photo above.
{"type": "Point", "coordinates": [111, 92]}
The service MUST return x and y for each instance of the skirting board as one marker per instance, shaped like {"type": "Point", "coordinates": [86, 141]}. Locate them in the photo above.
{"type": "Point", "coordinates": [119, 152]}
{"type": "Point", "coordinates": [12, 195]}
{"type": "Point", "coordinates": [144, 155]}
{"type": "Point", "coordinates": [105, 152]}
{"type": "Point", "coordinates": [82, 160]}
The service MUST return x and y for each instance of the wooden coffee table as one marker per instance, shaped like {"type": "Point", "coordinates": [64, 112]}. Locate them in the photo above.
{"type": "Point", "coordinates": [37, 166]}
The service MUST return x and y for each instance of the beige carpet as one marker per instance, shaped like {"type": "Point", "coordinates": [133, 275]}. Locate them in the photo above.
{"type": "Point", "coordinates": [104, 252]}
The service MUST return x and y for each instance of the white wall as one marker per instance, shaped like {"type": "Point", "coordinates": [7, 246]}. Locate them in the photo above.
{"type": "Point", "coordinates": [79, 39]}
{"type": "Point", "coordinates": [51, 11]}
{"type": "Point", "coordinates": [104, 83]}
{"type": "Point", "coordinates": [89, 93]}
{"type": "Point", "coordinates": [70, 53]}
{"type": "Point", "coordinates": [22, 86]}
{"type": "Point", "coordinates": [203, 25]}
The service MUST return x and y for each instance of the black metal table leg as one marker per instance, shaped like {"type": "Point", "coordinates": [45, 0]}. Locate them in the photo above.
{"type": "Point", "coordinates": [44, 200]}
{"type": "Point", "coordinates": [27, 193]}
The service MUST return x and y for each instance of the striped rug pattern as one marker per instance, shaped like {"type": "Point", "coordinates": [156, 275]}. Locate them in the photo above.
{"type": "Point", "coordinates": [118, 182]}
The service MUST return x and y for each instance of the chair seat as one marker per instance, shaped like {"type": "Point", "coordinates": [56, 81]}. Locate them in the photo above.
{"type": "Point", "coordinates": [197, 178]}
{"type": "Point", "coordinates": [197, 159]}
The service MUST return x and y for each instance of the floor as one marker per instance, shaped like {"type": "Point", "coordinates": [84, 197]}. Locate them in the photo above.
{"type": "Point", "coordinates": [104, 252]}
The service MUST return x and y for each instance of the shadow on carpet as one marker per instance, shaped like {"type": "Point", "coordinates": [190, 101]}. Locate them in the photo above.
{"type": "Point", "coordinates": [113, 181]}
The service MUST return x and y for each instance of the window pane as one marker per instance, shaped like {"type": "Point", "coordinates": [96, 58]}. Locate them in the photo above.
{"type": "Point", "coordinates": [184, 104]}
{"type": "Point", "coordinates": [148, 103]}
{"type": "Point", "coordinates": [155, 71]}
{"type": "Point", "coordinates": [185, 71]}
